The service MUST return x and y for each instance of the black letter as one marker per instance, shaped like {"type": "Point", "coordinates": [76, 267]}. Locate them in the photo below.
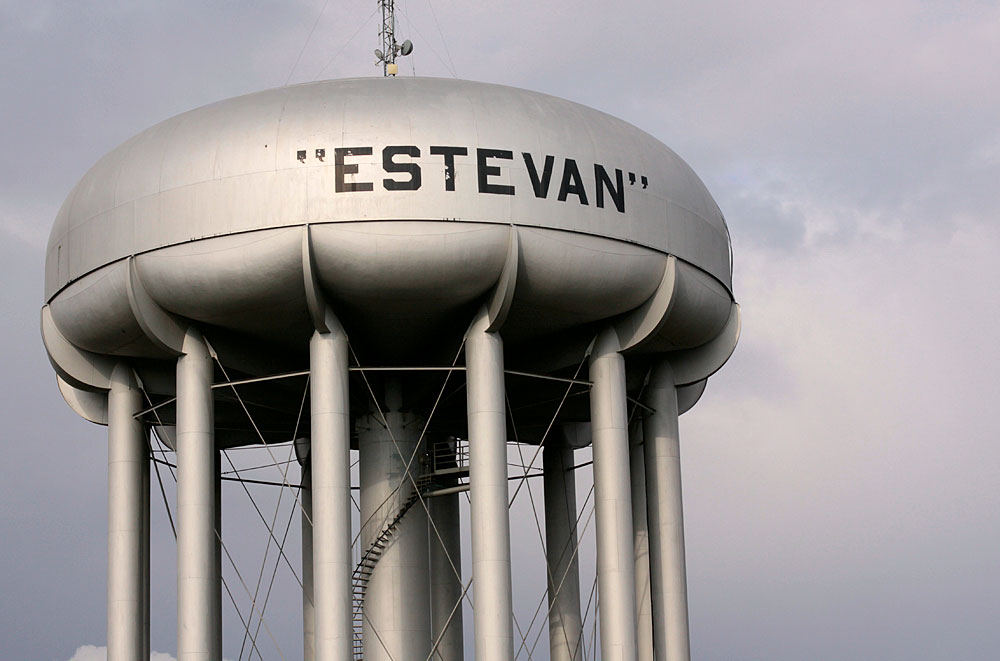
{"type": "Point", "coordinates": [486, 171]}
{"type": "Point", "coordinates": [390, 166]}
{"type": "Point", "coordinates": [617, 194]}
{"type": "Point", "coordinates": [449, 154]}
{"type": "Point", "coordinates": [570, 171]}
{"type": "Point", "coordinates": [541, 186]}
{"type": "Point", "coordinates": [340, 169]}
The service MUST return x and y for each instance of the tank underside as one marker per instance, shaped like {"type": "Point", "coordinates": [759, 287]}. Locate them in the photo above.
{"type": "Point", "coordinates": [404, 291]}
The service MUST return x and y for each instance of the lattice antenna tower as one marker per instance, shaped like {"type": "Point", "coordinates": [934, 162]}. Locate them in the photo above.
{"type": "Point", "coordinates": [386, 55]}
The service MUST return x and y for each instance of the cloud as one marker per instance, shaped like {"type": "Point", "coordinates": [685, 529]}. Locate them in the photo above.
{"type": "Point", "coordinates": [94, 653]}
{"type": "Point", "coordinates": [848, 449]}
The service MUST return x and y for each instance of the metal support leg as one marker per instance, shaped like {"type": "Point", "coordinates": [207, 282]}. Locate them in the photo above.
{"type": "Point", "coordinates": [488, 492]}
{"type": "Point", "coordinates": [446, 587]}
{"type": "Point", "coordinates": [197, 576]}
{"type": "Point", "coordinates": [128, 523]}
{"type": "Point", "coordinates": [612, 500]}
{"type": "Point", "coordinates": [308, 613]}
{"type": "Point", "coordinates": [330, 463]}
{"type": "Point", "coordinates": [668, 576]}
{"type": "Point", "coordinates": [640, 541]}
{"type": "Point", "coordinates": [145, 546]}
{"type": "Point", "coordinates": [217, 565]}
{"type": "Point", "coordinates": [565, 625]}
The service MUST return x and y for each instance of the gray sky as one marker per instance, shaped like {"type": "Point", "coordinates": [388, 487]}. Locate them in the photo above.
{"type": "Point", "coordinates": [841, 473]}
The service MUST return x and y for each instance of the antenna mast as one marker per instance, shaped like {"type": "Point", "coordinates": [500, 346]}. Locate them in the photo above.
{"type": "Point", "coordinates": [390, 49]}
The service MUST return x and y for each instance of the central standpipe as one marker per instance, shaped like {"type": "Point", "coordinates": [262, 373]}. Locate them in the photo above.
{"type": "Point", "coordinates": [565, 625]}
{"type": "Point", "coordinates": [199, 632]}
{"type": "Point", "coordinates": [128, 523]}
{"type": "Point", "coordinates": [667, 573]}
{"type": "Point", "coordinates": [612, 500]}
{"type": "Point", "coordinates": [329, 464]}
{"type": "Point", "coordinates": [396, 624]}
{"type": "Point", "coordinates": [494, 629]}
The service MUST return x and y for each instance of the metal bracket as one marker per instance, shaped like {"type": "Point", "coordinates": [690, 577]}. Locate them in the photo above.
{"type": "Point", "coordinates": [80, 369]}
{"type": "Point", "coordinates": [688, 396]}
{"type": "Point", "coordinates": [319, 311]}
{"type": "Point", "coordinates": [162, 328]}
{"type": "Point", "coordinates": [647, 320]}
{"type": "Point", "coordinates": [89, 405]}
{"type": "Point", "coordinates": [503, 293]}
{"type": "Point", "coordinates": [693, 365]}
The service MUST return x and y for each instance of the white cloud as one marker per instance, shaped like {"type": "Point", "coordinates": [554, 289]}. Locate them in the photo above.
{"type": "Point", "coordinates": [94, 653]}
{"type": "Point", "coordinates": [90, 653]}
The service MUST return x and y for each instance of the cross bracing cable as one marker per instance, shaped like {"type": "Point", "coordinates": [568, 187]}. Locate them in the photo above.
{"type": "Point", "coordinates": [522, 634]}
{"type": "Point", "coordinates": [260, 514]}
{"type": "Point", "coordinates": [586, 613]}
{"type": "Point", "coordinates": [407, 474]}
{"type": "Point", "coordinates": [253, 423]}
{"type": "Point", "coordinates": [173, 528]}
{"type": "Point", "coordinates": [267, 546]}
{"type": "Point", "coordinates": [263, 563]}
{"type": "Point", "coordinates": [552, 421]}
{"type": "Point", "coordinates": [274, 573]}
{"type": "Point", "coordinates": [538, 528]}
{"type": "Point", "coordinates": [253, 605]}
{"type": "Point", "coordinates": [447, 623]}
{"type": "Point", "coordinates": [562, 581]}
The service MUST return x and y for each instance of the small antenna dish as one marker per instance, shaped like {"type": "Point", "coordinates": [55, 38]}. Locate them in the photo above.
{"type": "Point", "coordinates": [379, 54]}
{"type": "Point", "coordinates": [406, 48]}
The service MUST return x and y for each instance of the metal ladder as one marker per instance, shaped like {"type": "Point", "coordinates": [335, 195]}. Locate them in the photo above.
{"type": "Point", "coordinates": [366, 565]}
{"type": "Point", "coordinates": [448, 460]}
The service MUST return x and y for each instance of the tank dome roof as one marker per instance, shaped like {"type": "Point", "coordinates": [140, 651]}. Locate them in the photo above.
{"type": "Point", "coordinates": [385, 149]}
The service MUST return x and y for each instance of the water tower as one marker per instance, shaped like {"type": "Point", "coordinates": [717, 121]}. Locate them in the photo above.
{"type": "Point", "coordinates": [382, 236]}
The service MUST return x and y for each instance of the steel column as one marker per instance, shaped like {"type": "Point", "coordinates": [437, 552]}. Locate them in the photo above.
{"type": "Point", "coordinates": [665, 512]}
{"type": "Point", "coordinates": [446, 586]}
{"type": "Point", "coordinates": [612, 500]}
{"type": "Point", "coordinates": [217, 565]}
{"type": "Point", "coordinates": [330, 463]}
{"type": "Point", "coordinates": [198, 583]}
{"type": "Point", "coordinates": [640, 541]}
{"type": "Point", "coordinates": [128, 522]}
{"type": "Point", "coordinates": [308, 612]}
{"type": "Point", "coordinates": [565, 624]}
{"type": "Point", "coordinates": [494, 634]}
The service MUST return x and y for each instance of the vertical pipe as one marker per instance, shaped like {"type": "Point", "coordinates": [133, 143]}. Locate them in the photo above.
{"type": "Point", "coordinates": [145, 543]}
{"type": "Point", "coordinates": [197, 578]}
{"type": "Point", "coordinates": [128, 531]}
{"type": "Point", "coordinates": [494, 634]}
{"type": "Point", "coordinates": [446, 586]}
{"type": "Point", "coordinates": [308, 613]}
{"type": "Point", "coordinates": [397, 623]}
{"type": "Point", "coordinates": [612, 500]}
{"type": "Point", "coordinates": [331, 493]}
{"type": "Point", "coordinates": [640, 541]}
{"type": "Point", "coordinates": [217, 565]}
{"type": "Point", "coordinates": [668, 576]}
{"type": "Point", "coordinates": [565, 625]}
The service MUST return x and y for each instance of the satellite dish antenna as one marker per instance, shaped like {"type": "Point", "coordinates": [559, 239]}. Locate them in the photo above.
{"type": "Point", "coordinates": [406, 48]}
{"type": "Point", "coordinates": [379, 54]}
